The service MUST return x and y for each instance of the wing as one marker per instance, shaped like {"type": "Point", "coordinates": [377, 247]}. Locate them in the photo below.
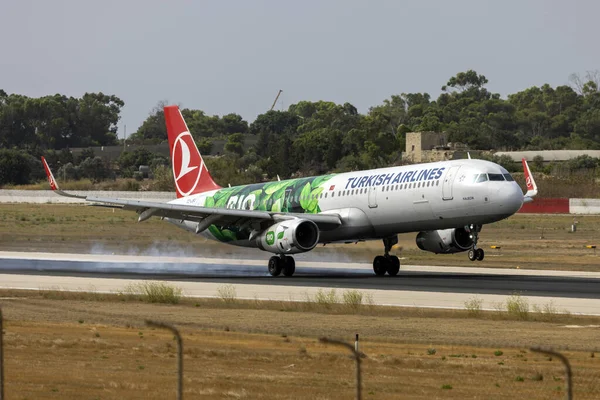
{"type": "Point", "coordinates": [205, 216]}
{"type": "Point", "coordinates": [532, 189]}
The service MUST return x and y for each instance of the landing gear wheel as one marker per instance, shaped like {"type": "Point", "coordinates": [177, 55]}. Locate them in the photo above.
{"type": "Point", "coordinates": [393, 266]}
{"type": "Point", "coordinates": [275, 266]}
{"type": "Point", "coordinates": [380, 265]}
{"type": "Point", "coordinates": [289, 266]}
{"type": "Point", "coordinates": [472, 254]}
{"type": "Point", "coordinates": [479, 253]}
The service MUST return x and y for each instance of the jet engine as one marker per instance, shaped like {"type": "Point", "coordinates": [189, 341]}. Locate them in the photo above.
{"type": "Point", "coordinates": [289, 237]}
{"type": "Point", "coordinates": [446, 241]}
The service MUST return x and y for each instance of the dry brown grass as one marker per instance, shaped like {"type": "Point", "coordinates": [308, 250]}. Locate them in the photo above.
{"type": "Point", "coordinates": [73, 349]}
{"type": "Point", "coordinates": [527, 241]}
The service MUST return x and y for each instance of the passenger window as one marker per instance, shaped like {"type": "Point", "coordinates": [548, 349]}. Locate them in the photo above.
{"type": "Point", "coordinates": [325, 195]}
{"type": "Point", "coordinates": [481, 178]}
{"type": "Point", "coordinates": [437, 183]}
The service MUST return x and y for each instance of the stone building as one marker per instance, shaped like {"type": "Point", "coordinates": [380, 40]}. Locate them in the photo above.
{"type": "Point", "coordinates": [429, 146]}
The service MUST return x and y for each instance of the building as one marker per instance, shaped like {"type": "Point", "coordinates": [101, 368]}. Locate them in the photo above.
{"type": "Point", "coordinates": [429, 147]}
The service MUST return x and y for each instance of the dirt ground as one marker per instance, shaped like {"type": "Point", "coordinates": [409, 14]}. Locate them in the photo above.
{"type": "Point", "coordinates": [72, 349]}
{"type": "Point", "coordinates": [65, 348]}
{"type": "Point", "coordinates": [526, 241]}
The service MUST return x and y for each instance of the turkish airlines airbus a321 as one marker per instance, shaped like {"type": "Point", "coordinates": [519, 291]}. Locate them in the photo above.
{"type": "Point", "coordinates": [445, 202]}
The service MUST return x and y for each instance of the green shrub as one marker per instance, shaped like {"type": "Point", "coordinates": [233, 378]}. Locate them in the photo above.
{"type": "Point", "coordinates": [473, 306]}
{"type": "Point", "coordinates": [154, 292]}
{"type": "Point", "coordinates": [326, 298]}
{"type": "Point", "coordinates": [517, 307]}
{"type": "Point", "coordinates": [352, 298]}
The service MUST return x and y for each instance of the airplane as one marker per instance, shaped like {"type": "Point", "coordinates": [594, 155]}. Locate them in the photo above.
{"type": "Point", "coordinates": [446, 202]}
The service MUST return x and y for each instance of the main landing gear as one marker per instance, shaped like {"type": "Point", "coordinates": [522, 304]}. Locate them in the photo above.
{"type": "Point", "coordinates": [281, 263]}
{"type": "Point", "coordinates": [387, 263]}
{"type": "Point", "coordinates": [475, 253]}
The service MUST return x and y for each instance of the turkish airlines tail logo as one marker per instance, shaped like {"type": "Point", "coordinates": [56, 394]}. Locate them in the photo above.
{"type": "Point", "coordinates": [190, 172]}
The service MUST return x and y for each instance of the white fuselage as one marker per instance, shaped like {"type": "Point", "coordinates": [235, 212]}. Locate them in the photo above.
{"type": "Point", "coordinates": [422, 197]}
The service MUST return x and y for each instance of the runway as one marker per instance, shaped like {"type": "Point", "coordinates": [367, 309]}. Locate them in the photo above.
{"type": "Point", "coordinates": [418, 286]}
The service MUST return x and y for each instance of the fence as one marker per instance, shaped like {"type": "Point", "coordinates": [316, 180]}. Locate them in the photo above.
{"type": "Point", "coordinates": [510, 388]}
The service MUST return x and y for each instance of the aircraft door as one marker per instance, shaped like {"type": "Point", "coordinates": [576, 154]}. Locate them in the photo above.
{"type": "Point", "coordinates": [372, 197]}
{"type": "Point", "coordinates": [448, 181]}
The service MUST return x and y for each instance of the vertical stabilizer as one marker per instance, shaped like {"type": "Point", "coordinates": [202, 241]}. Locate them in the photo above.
{"type": "Point", "coordinates": [190, 172]}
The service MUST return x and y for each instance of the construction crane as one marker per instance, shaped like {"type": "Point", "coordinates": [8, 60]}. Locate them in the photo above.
{"type": "Point", "coordinates": [276, 98]}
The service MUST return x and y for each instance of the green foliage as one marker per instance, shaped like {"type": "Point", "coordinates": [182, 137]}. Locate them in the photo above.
{"type": "Point", "coordinates": [235, 144]}
{"type": "Point", "coordinates": [15, 167]}
{"type": "Point", "coordinates": [163, 179]}
{"type": "Point", "coordinates": [204, 145]}
{"type": "Point", "coordinates": [474, 306]}
{"type": "Point", "coordinates": [353, 299]}
{"type": "Point", "coordinates": [58, 121]}
{"type": "Point", "coordinates": [326, 298]}
{"type": "Point", "coordinates": [153, 292]}
{"type": "Point", "coordinates": [85, 153]}
{"type": "Point", "coordinates": [94, 169]}
{"type": "Point", "coordinates": [312, 138]}
{"type": "Point", "coordinates": [517, 307]}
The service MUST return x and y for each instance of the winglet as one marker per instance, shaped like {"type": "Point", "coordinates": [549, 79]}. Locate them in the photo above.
{"type": "Point", "coordinates": [532, 189]}
{"type": "Point", "coordinates": [54, 184]}
{"type": "Point", "coordinates": [51, 180]}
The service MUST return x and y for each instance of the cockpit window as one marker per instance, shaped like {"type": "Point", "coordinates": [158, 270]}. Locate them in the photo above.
{"type": "Point", "coordinates": [481, 178]}
{"type": "Point", "coordinates": [496, 177]}
{"type": "Point", "coordinates": [509, 177]}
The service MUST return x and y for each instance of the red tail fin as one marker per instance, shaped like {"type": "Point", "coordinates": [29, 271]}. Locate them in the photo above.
{"type": "Point", "coordinates": [51, 180]}
{"type": "Point", "coordinates": [190, 172]}
{"type": "Point", "coordinates": [532, 189]}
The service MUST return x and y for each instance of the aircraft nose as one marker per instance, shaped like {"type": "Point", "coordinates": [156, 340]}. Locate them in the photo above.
{"type": "Point", "coordinates": [511, 198]}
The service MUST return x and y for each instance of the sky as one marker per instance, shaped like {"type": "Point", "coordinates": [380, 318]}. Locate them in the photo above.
{"type": "Point", "coordinates": [234, 56]}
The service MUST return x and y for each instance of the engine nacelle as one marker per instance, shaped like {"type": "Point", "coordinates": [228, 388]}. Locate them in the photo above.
{"type": "Point", "coordinates": [289, 237]}
{"type": "Point", "coordinates": [447, 241]}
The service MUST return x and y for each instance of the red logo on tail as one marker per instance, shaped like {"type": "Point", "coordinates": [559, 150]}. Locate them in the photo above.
{"type": "Point", "coordinates": [187, 164]}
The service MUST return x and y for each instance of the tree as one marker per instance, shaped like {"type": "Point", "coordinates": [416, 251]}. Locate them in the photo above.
{"type": "Point", "coordinates": [153, 128]}
{"type": "Point", "coordinates": [464, 81]}
{"type": "Point", "coordinates": [233, 123]}
{"type": "Point", "coordinates": [235, 144]}
{"type": "Point", "coordinates": [97, 119]}
{"type": "Point", "coordinates": [15, 167]}
{"type": "Point", "coordinates": [94, 169]}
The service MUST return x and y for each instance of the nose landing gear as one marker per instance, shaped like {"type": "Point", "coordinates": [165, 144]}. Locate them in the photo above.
{"type": "Point", "coordinates": [387, 263]}
{"type": "Point", "coordinates": [475, 253]}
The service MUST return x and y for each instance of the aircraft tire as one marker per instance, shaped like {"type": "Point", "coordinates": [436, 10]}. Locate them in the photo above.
{"type": "Point", "coordinates": [393, 266]}
{"type": "Point", "coordinates": [480, 254]}
{"type": "Point", "coordinates": [275, 266]}
{"type": "Point", "coordinates": [472, 255]}
{"type": "Point", "coordinates": [289, 266]}
{"type": "Point", "coordinates": [380, 265]}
